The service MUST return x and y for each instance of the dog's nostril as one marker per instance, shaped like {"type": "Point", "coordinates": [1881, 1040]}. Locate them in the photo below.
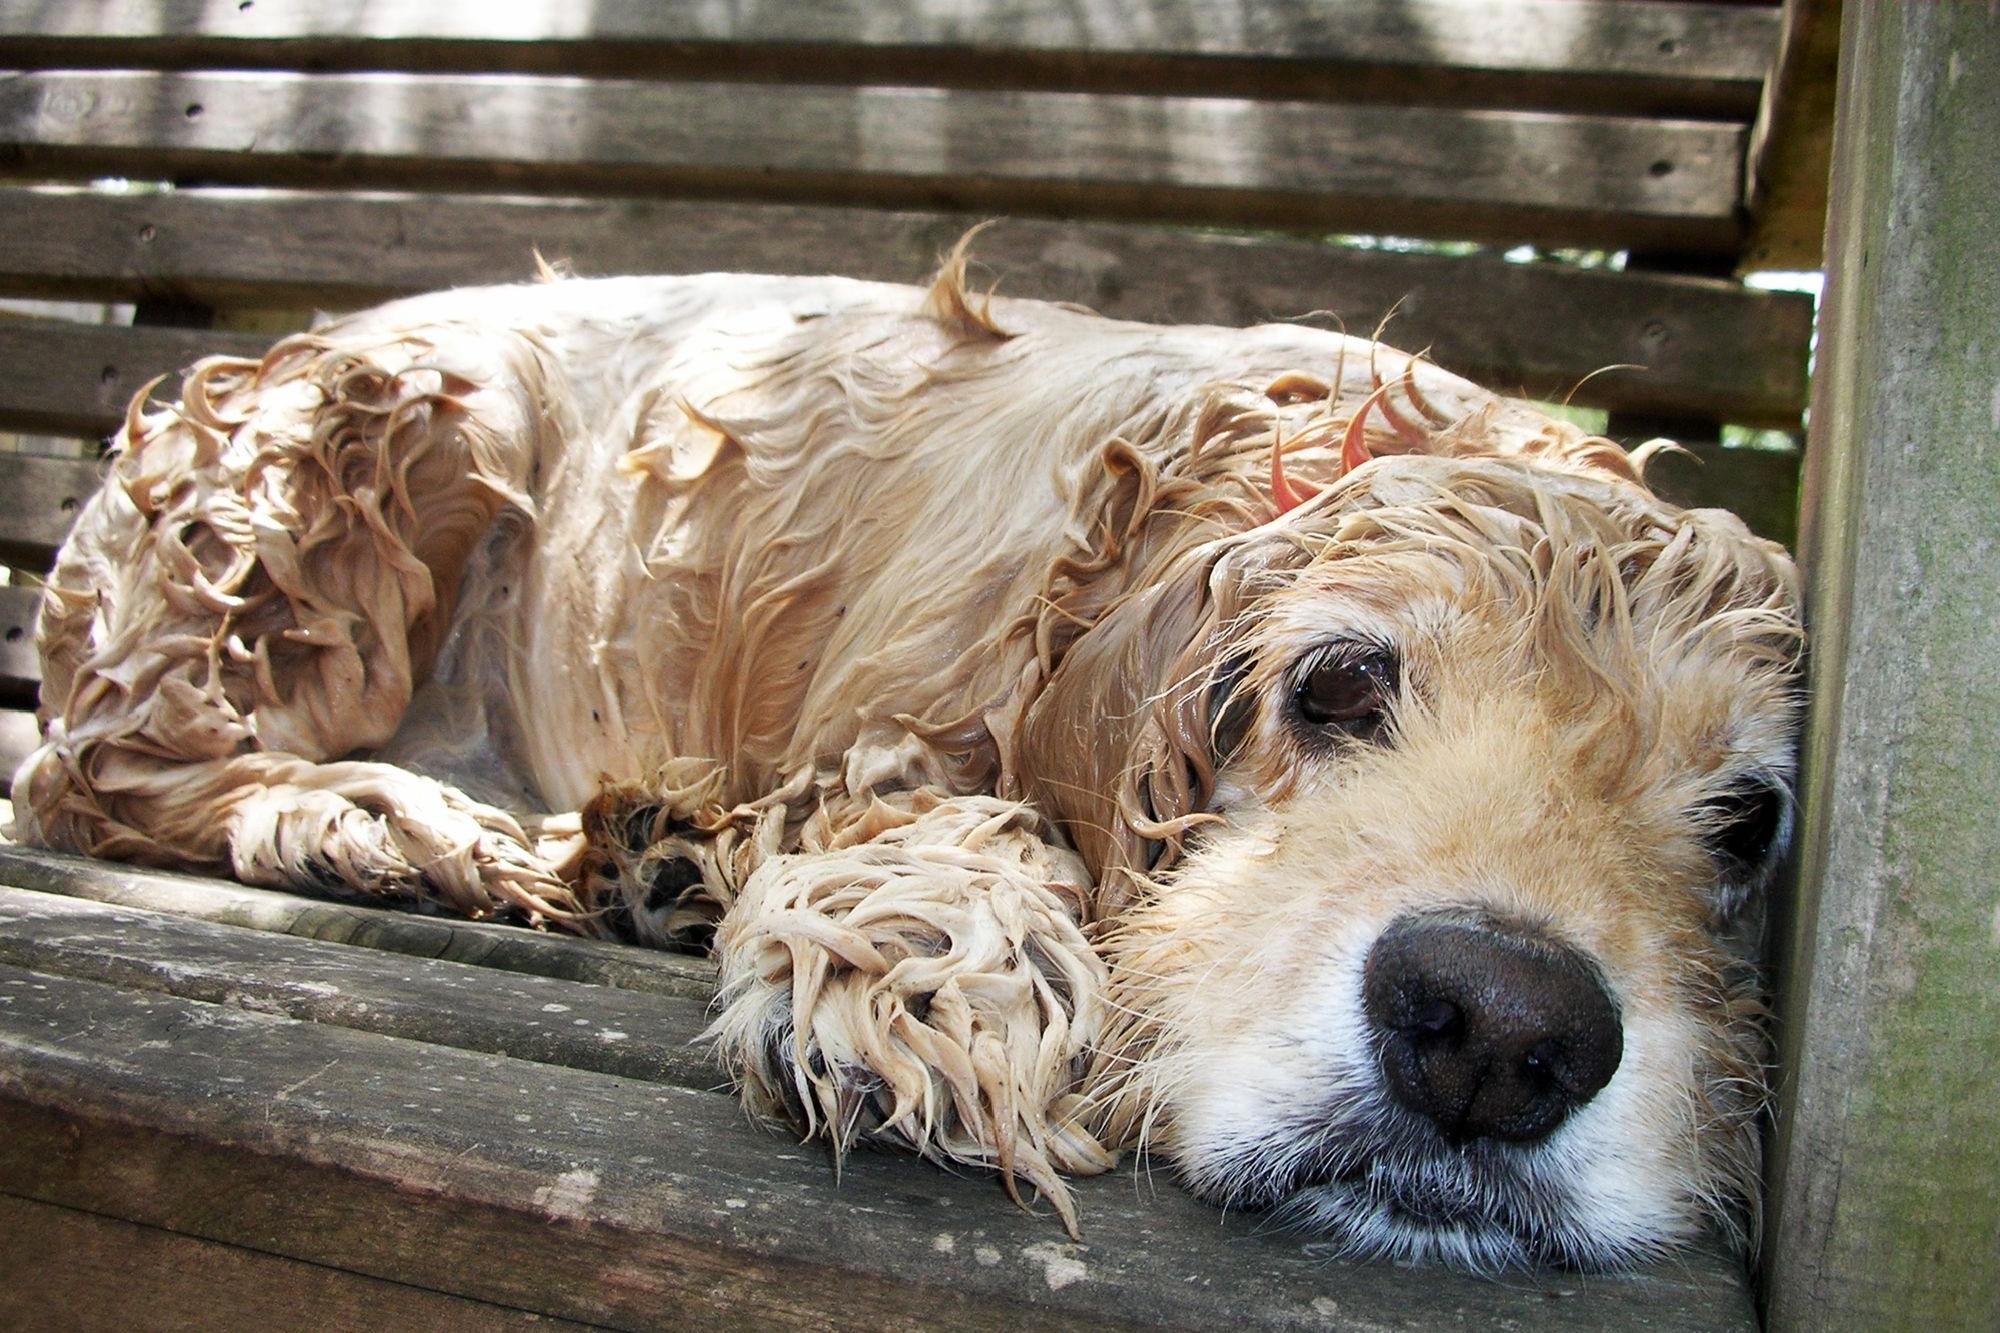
{"type": "Point", "coordinates": [1488, 1031]}
{"type": "Point", "coordinates": [1544, 1060]}
{"type": "Point", "coordinates": [1436, 1018]}
{"type": "Point", "coordinates": [1551, 1064]}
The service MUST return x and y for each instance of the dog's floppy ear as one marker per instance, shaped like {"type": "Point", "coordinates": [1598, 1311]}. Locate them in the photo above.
{"type": "Point", "coordinates": [1121, 744]}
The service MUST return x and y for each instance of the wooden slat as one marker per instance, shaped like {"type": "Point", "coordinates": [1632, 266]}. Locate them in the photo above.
{"type": "Point", "coordinates": [41, 497]}
{"type": "Point", "coordinates": [1667, 184]}
{"type": "Point", "coordinates": [118, 1276]}
{"type": "Point", "coordinates": [77, 378]}
{"type": "Point", "coordinates": [19, 735]}
{"type": "Point", "coordinates": [502, 948]}
{"type": "Point", "coordinates": [1645, 58]}
{"type": "Point", "coordinates": [1709, 349]}
{"type": "Point", "coordinates": [1761, 486]}
{"type": "Point", "coordinates": [642, 1205]}
{"type": "Point", "coordinates": [20, 666]}
{"type": "Point", "coordinates": [630, 1033]}
{"type": "Point", "coordinates": [1886, 1158]}
{"type": "Point", "coordinates": [1791, 144]}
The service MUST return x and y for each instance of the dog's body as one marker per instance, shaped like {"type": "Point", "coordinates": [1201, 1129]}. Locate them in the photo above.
{"type": "Point", "coordinates": [1060, 772]}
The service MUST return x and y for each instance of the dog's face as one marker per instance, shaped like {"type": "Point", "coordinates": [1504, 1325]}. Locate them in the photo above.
{"type": "Point", "coordinates": [1451, 963]}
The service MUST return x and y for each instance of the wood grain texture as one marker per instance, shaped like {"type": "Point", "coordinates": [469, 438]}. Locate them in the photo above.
{"type": "Point", "coordinates": [1886, 1194]}
{"type": "Point", "coordinates": [1761, 486]}
{"type": "Point", "coordinates": [117, 1276]}
{"type": "Point", "coordinates": [76, 379]}
{"type": "Point", "coordinates": [1648, 58]}
{"type": "Point", "coordinates": [1705, 348]}
{"type": "Point", "coordinates": [1669, 184]}
{"type": "Point", "coordinates": [481, 944]}
{"type": "Point", "coordinates": [1791, 142]}
{"type": "Point", "coordinates": [646, 1206]}
{"type": "Point", "coordinates": [20, 665]}
{"type": "Point", "coordinates": [20, 733]}
{"type": "Point", "coordinates": [42, 497]}
{"type": "Point", "coordinates": [634, 1034]}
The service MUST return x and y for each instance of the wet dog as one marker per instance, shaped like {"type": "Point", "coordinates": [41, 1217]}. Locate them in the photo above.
{"type": "Point", "coordinates": [1258, 745]}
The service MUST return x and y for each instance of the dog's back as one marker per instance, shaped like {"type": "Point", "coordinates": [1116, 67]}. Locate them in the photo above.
{"type": "Point", "coordinates": [752, 519]}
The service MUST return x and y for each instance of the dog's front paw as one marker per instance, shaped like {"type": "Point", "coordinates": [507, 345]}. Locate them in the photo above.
{"type": "Point", "coordinates": [373, 830]}
{"type": "Point", "coordinates": [938, 998]}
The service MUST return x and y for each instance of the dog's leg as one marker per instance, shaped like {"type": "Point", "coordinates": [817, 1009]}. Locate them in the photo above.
{"type": "Point", "coordinates": [269, 570]}
{"type": "Point", "coordinates": [917, 974]}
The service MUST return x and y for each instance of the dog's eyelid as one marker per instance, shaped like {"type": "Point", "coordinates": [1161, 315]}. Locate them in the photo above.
{"type": "Point", "coordinates": [1345, 687]}
{"type": "Point", "coordinates": [1746, 826]}
{"type": "Point", "coordinates": [1352, 651]}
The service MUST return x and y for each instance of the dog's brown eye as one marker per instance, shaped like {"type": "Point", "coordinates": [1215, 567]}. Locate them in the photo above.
{"type": "Point", "coordinates": [1348, 686]}
{"type": "Point", "coordinates": [1745, 830]}
{"type": "Point", "coordinates": [1744, 825]}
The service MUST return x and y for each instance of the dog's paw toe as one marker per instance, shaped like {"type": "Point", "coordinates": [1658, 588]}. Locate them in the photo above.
{"type": "Point", "coordinates": [398, 837]}
{"type": "Point", "coordinates": [650, 874]}
{"type": "Point", "coordinates": [935, 1074]}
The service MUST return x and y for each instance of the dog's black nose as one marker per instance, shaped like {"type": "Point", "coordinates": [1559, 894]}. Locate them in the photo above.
{"type": "Point", "coordinates": [1486, 1030]}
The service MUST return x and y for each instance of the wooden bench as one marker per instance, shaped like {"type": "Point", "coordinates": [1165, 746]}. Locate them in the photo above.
{"type": "Point", "coordinates": [227, 1105]}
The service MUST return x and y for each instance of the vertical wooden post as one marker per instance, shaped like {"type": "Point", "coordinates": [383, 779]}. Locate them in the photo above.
{"type": "Point", "coordinates": [1886, 1170]}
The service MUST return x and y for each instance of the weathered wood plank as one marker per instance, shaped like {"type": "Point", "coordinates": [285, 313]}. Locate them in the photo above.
{"type": "Point", "coordinates": [1791, 142]}
{"type": "Point", "coordinates": [1673, 184]}
{"type": "Point", "coordinates": [503, 948]}
{"type": "Point", "coordinates": [76, 379]}
{"type": "Point", "coordinates": [633, 1034]}
{"type": "Point", "coordinates": [1646, 58]}
{"type": "Point", "coordinates": [1886, 1177]}
{"type": "Point", "coordinates": [116, 1276]}
{"type": "Point", "coordinates": [642, 1205]}
{"type": "Point", "coordinates": [19, 735]}
{"type": "Point", "coordinates": [1708, 348]}
{"type": "Point", "coordinates": [20, 665]}
{"type": "Point", "coordinates": [1761, 486]}
{"type": "Point", "coordinates": [42, 497]}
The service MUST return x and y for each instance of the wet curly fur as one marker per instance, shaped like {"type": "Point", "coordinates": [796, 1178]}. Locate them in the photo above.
{"type": "Point", "coordinates": [938, 662]}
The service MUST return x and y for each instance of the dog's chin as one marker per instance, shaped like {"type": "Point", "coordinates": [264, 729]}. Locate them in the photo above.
{"type": "Point", "coordinates": [1481, 1209]}
{"type": "Point", "coordinates": [1379, 1215]}
{"type": "Point", "coordinates": [1437, 1216]}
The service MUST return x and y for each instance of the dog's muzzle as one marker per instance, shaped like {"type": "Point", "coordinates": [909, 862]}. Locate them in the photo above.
{"type": "Point", "coordinates": [1488, 1030]}
{"type": "Point", "coordinates": [1444, 1134]}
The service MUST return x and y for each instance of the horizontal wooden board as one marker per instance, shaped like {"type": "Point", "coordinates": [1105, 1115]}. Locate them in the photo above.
{"type": "Point", "coordinates": [42, 497]}
{"type": "Point", "coordinates": [20, 665]}
{"type": "Point", "coordinates": [1644, 58]}
{"type": "Point", "coordinates": [481, 944]}
{"type": "Point", "coordinates": [77, 379]}
{"type": "Point", "coordinates": [19, 735]}
{"type": "Point", "coordinates": [633, 1034]}
{"type": "Point", "coordinates": [646, 1206]}
{"type": "Point", "coordinates": [1704, 347]}
{"type": "Point", "coordinates": [118, 1276]}
{"type": "Point", "coordinates": [1605, 180]}
{"type": "Point", "coordinates": [1761, 486]}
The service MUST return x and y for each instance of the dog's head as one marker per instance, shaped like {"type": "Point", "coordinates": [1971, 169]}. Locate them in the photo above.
{"type": "Point", "coordinates": [1433, 819]}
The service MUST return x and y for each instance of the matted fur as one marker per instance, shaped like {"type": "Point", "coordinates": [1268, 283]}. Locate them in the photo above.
{"type": "Point", "coordinates": [936, 653]}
